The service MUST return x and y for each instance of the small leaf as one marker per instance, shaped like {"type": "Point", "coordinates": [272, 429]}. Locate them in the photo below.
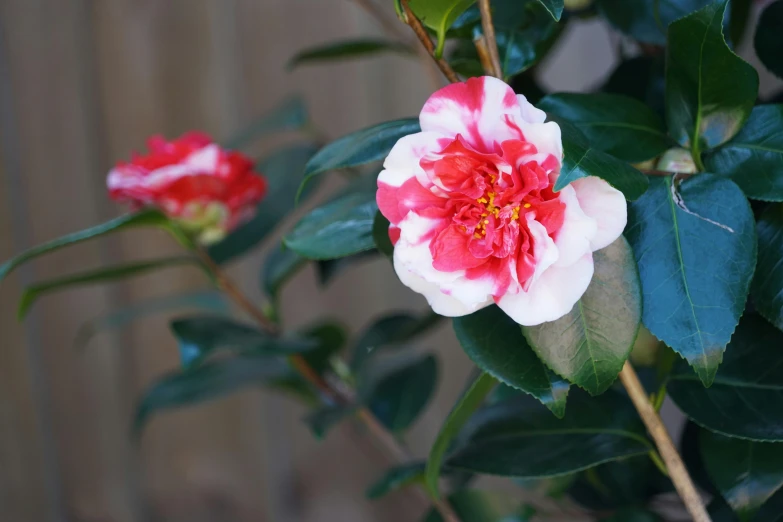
{"type": "Point", "coordinates": [753, 159]}
{"type": "Point", "coordinates": [767, 287]}
{"type": "Point", "coordinates": [396, 478]}
{"type": "Point", "coordinates": [581, 160]}
{"type": "Point", "coordinates": [283, 171]}
{"type": "Point", "coordinates": [102, 275]}
{"type": "Point", "coordinates": [695, 246]}
{"type": "Point", "coordinates": [201, 335]}
{"type": "Point", "coordinates": [360, 147]}
{"type": "Point", "coordinates": [280, 265]}
{"type": "Point", "coordinates": [380, 234]}
{"type": "Point", "coordinates": [768, 40]}
{"type": "Point", "coordinates": [330, 338]}
{"type": "Point", "coordinates": [647, 20]}
{"type": "Point", "coordinates": [467, 404]}
{"type": "Point", "coordinates": [621, 126]}
{"type": "Point", "coordinates": [494, 342]}
{"type": "Point", "coordinates": [747, 473]}
{"type": "Point", "coordinates": [710, 91]}
{"type": "Point", "coordinates": [399, 396]}
{"type": "Point", "coordinates": [473, 505]}
{"type": "Point", "coordinates": [555, 8]}
{"type": "Point", "coordinates": [339, 228]}
{"type": "Point", "coordinates": [745, 399]}
{"type": "Point", "coordinates": [204, 383]}
{"type": "Point", "coordinates": [390, 331]}
{"type": "Point", "coordinates": [589, 345]}
{"type": "Point", "coordinates": [290, 115]}
{"type": "Point", "coordinates": [346, 49]}
{"type": "Point", "coordinates": [145, 218]}
{"type": "Point", "coordinates": [439, 15]}
{"type": "Point", "coordinates": [520, 438]}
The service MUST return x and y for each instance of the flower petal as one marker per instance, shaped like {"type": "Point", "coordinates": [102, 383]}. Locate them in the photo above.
{"type": "Point", "coordinates": [574, 238]}
{"type": "Point", "coordinates": [403, 160]}
{"type": "Point", "coordinates": [606, 205]}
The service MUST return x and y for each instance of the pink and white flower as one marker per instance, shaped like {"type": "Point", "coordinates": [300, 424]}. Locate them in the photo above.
{"type": "Point", "coordinates": [474, 219]}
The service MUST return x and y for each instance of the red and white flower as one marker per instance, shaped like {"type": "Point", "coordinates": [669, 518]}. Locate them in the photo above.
{"type": "Point", "coordinates": [473, 215]}
{"type": "Point", "coordinates": [208, 190]}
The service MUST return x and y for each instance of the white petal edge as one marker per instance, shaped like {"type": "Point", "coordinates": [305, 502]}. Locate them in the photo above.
{"type": "Point", "coordinates": [403, 160]}
{"type": "Point", "coordinates": [574, 239]}
{"type": "Point", "coordinates": [606, 205]}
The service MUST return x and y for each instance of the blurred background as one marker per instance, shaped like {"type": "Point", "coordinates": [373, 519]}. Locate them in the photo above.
{"type": "Point", "coordinates": [82, 84]}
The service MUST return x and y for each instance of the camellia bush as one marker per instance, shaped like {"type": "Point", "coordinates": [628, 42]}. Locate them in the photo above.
{"type": "Point", "coordinates": [568, 237]}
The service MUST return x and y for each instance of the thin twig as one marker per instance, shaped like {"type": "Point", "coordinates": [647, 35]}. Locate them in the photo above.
{"type": "Point", "coordinates": [424, 38]}
{"type": "Point", "coordinates": [656, 172]}
{"type": "Point", "coordinates": [489, 36]}
{"type": "Point", "coordinates": [677, 471]}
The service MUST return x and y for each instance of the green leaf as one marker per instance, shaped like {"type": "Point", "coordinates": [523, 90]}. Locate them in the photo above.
{"type": "Point", "coordinates": [647, 20]}
{"type": "Point", "coordinates": [102, 275]}
{"type": "Point", "coordinates": [346, 49]}
{"type": "Point", "coordinates": [396, 478]}
{"type": "Point", "coordinates": [339, 228]}
{"type": "Point", "coordinates": [618, 125]}
{"type": "Point", "coordinates": [326, 417]}
{"type": "Point", "coordinates": [327, 270]}
{"type": "Point", "coordinates": [589, 345]}
{"type": "Point", "coordinates": [632, 514]}
{"type": "Point", "coordinates": [745, 399]}
{"type": "Point", "coordinates": [641, 78]}
{"type": "Point", "coordinates": [754, 157]}
{"type": "Point", "coordinates": [398, 397]}
{"type": "Point", "coordinates": [627, 482]}
{"type": "Point", "coordinates": [494, 342]}
{"type": "Point", "coordinates": [695, 246]}
{"type": "Point", "coordinates": [581, 160]}
{"type": "Point", "coordinates": [555, 8]}
{"type": "Point", "coordinates": [767, 287]}
{"type": "Point", "coordinates": [380, 234]}
{"type": "Point", "coordinates": [360, 147]}
{"type": "Point", "coordinates": [283, 171]}
{"type": "Point", "coordinates": [473, 505]}
{"type": "Point", "coordinates": [290, 115]}
{"type": "Point", "coordinates": [204, 383]}
{"type": "Point", "coordinates": [145, 218]}
{"type": "Point", "coordinates": [390, 331]}
{"type": "Point", "coordinates": [747, 473]}
{"type": "Point", "coordinates": [467, 404]}
{"type": "Point", "coordinates": [439, 15]}
{"type": "Point", "coordinates": [710, 91]}
{"type": "Point", "coordinates": [201, 335]}
{"type": "Point", "coordinates": [281, 264]}
{"type": "Point", "coordinates": [330, 338]}
{"type": "Point", "coordinates": [768, 40]}
{"type": "Point", "coordinates": [521, 438]}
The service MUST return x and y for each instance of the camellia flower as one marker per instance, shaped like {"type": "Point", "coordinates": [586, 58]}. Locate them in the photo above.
{"type": "Point", "coordinates": [474, 219]}
{"type": "Point", "coordinates": [208, 190]}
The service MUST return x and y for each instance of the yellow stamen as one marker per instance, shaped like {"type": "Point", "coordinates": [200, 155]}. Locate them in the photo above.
{"type": "Point", "coordinates": [527, 205]}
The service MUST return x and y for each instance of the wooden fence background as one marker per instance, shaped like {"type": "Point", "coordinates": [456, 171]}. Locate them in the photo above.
{"type": "Point", "coordinates": [82, 83]}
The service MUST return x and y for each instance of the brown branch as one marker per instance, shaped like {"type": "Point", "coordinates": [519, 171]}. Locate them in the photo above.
{"type": "Point", "coordinates": [425, 40]}
{"type": "Point", "coordinates": [489, 39]}
{"type": "Point", "coordinates": [677, 471]}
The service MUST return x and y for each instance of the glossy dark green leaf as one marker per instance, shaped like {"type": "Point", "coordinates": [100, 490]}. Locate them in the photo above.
{"type": "Point", "coordinates": [642, 78]}
{"type": "Point", "coordinates": [438, 15]}
{"type": "Point", "coordinates": [280, 265]}
{"type": "Point", "coordinates": [330, 338]}
{"type": "Point", "coordinates": [396, 478]}
{"type": "Point", "coordinates": [690, 449]}
{"type": "Point", "coordinates": [710, 91]}
{"type": "Point", "coordinates": [205, 382]}
{"type": "Point", "coordinates": [390, 331]}
{"type": "Point", "coordinates": [102, 275]}
{"type": "Point", "coordinates": [618, 125]}
{"type": "Point", "coordinates": [521, 438]}
{"type": "Point", "coordinates": [745, 399]}
{"type": "Point", "coordinates": [146, 218]}
{"type": "Point", "coordinates": [647, 20]}
{"type": "Point", "coordinates": [473, 505]}
{"type": "Point", "coordinates": [470, 400]}
{"type": "Point", "coordinates": [632, 514]}
{"type": "Point", "coordinates": [627, 482]}
{"type": "Point", "coordinates": [380, 234]}
{"type": "Point", "coordinates": [589, 345]}
{"type": "Point", "coordinates": [747, 473]}
{"type": "Point", "coordinates": [360, 147]}
{"type": "Point", "coordinates": [346, 49]}
{"type": "Point", "coordinates": [325, 418]}
{"type": "Point", "coordinates": [555, 7]}
{"type": "Point", "coordinates": [754, 157]}
{"type": "Point", "coordinates": [495, 343]}
{"type": "Point", "coordinates": [768, 40]}
{"type": "Point", "coordinates": [290, 115]}
{"type": "Point", "coordinates": [581, 160]}
{"type": "Point", "coordinates": [695, 246]}
{"type": "Point", "coordinates": [767, 287]}
{"type": "Point", "coordinates": [339, 228]}
{"type": "Point", "coordinates": [201, 335]}
{"type": "Point", "coordinates": [283, 171]}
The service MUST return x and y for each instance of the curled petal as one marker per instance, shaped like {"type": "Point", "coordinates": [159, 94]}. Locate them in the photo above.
{"type": "Point", "coordinates": [606, 205]}
{"type": "Point", "coordinates": [573, 238]}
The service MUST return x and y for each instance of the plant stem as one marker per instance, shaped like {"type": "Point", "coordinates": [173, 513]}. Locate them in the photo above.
{"type": "Point", "coordinates": [489, 37]}
{"type": "Point", "coordinates": [374, 427]}
{"type": "Point", "coordinates": [677, 471]}
{"type": "Point", "coordinates": [424, 38]}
